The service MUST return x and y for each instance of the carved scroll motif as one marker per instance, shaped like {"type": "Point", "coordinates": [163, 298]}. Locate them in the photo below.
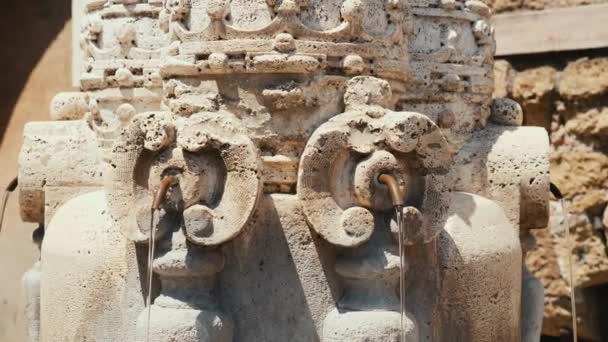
{"type": "Point", "coordinates": [338, 174]}
{"type": "Point", "coordinates": [218, 166]}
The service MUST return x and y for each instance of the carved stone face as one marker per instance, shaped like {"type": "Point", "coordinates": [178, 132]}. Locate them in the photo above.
{"type": "Point", "coordinates": [341, 164]}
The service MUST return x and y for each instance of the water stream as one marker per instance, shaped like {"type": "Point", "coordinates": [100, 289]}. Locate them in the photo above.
{"type": "Point", "coordinates": [3, 202]}
{"type": "Point", "coordinates": [6, 192]}
{"type": "Point", "coordinates": [150, 271]}
{"type": "Point", "coordinates": [400, 224]}
{"type": "Point", "coordinates": [571, 269]}
{"type": "Point", "coordinates": [570, 248]}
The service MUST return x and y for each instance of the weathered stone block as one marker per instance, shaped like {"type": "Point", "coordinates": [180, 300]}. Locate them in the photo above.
{"type": "Point", "coordinates": [584, 79]}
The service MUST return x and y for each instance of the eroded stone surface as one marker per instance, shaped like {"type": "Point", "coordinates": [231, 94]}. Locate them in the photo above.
{"type": "Point", "coordinates": [262, 128]}
{"type": "Point", "coordinates": [573, 106]}
{"type": "Point", "coordinates": [533, 88]}
{"type": "Point", "coordinates": [584, 79]}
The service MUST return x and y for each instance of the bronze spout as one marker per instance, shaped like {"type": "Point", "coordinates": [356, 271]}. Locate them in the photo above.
{"type": "Point", "coordinates": [12, 186]}
{"type": "Point", "coordinates": [161, 194]}
{"type": "Point", "coordinates": [393, 188]}
{"type": "Point", "coordinates": [556, 192]}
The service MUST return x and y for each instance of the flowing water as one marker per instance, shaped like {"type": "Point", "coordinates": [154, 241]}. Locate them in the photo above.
{"type": "Point", "coordinates": [150, 271]}
{"type": "Point", "coordinates": [400, 224]}
{"type": "Point", "coordinates": [6, 192]}
{"type": "Point", "coordinates": [570, 242]}
{"type": "Point", "coordinates": [3, 201]}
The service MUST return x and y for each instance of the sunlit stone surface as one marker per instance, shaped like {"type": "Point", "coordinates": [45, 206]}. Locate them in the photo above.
{"type": "Point", "coordinates": [277, 117]}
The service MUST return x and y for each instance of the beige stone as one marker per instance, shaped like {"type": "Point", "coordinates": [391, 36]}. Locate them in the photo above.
{"type": "Point", "coordinates": [534, 90]}
{"type": "Point", "coordinates": [506, 5]}
{"type": "Point", "coordinates": [584, 79]}
{"type": "Point", "coordinates": [577, 167]}
{"type": "Point", "coordinates": [545, 263]}
{"type": "Point", "coordinates": [258, 132]}
{"type": "Point", "coordinates": [37, 60]}
{"type": "Point", "coordinates": [549, 260]}
{"type": "Point", "coordinates": [591, 124]}
{"type": "Point", "coordinates": [582, 176]}
{"type": "Point", "coordinates": [503, 79]}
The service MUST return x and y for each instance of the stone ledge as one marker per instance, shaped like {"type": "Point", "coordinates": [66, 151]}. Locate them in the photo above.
{"type": "Point", "coordinates": [572, 28]}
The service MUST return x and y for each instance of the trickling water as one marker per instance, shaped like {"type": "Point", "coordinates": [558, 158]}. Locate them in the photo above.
{"type": "Point", "coordinates": [4, 200]}
{"type": "Point", "coordinates": [400, 224]}
{"type": "Point", "coordinates": [150, 271]}
{"type": "Point", "coordinates": [570, 242]}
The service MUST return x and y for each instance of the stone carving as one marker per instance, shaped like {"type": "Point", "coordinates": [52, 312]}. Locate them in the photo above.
{"type": "Point", "coordinates": [218, 172]}
{"type": "Point", "coordinates": [340, 193]}
{"type": "Point", "coordinates": [357, 144]}
{"type": "Point", "coordinates": [290, 36]}
{"type": "Point", "coordinates": [273, 120]}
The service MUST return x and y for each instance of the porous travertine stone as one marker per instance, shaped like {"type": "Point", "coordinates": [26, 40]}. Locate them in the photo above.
{"type": "Point", "coordinates": [479, 246]}
{"type": "Point", "coordinates": [503, 79]}
{"type": "Point", "coordinates": [275, 119]}
{"type": "Point", "coordinates": [584, 79]}
{"type": "Point", "coordinates": [570, 101]}
{"type": "Point", "coordinates": [534, 89]}
{"type": "Point", "coordinates": [80, 234]}
{"type": "Point", "coordinates": [548, 259]}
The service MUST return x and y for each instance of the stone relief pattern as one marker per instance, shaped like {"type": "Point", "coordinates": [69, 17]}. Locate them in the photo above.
{"type": "Point", "coordinates": [219, 175]}
{"type": "Point", "coordinates": [451, 52]}
{"type": "Point", "coordinates": [364, 142]}
{"type": "Point", "coordinates": [344, 203]}
{"type": "Point", "coordinates": [293, 36]}
{"type": "Point", "coordinates": [152, 99]}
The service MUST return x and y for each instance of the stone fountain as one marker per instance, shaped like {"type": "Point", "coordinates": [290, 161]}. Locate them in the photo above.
{"type": "Point", "coordinates": [277, 117]}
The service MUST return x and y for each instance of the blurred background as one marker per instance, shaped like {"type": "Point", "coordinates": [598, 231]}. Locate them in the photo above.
{"type": "Point", "coordinates": [552, 59]}
{"type": "Point", "coordinates": [35, 36]}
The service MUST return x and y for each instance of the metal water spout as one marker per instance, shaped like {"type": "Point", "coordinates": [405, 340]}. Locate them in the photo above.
{"type": "Point", "coordinates": [161, 194]}
{"type": "Point", "coordinates": [397, 198]}
{"type": "Point", "coordinates": [159, 199]}
{"type": "Point", "coordinates": [12, 186]}
{"type": "Point", "coordinates": [556, 192]}
{"type": "Point", "coordinates": [393, 188]}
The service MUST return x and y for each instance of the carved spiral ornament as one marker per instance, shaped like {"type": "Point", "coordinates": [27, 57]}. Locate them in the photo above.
{"type": "Point", "coordinates": [243, 184]}
{"type": "Point", "coordinates": [218, 172]}
{"type": "Point", "coordinates": [338, 180]}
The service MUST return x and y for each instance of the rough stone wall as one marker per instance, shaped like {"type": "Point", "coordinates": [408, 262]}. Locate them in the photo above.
{"type": "Point", "coordinates": [568, 96]}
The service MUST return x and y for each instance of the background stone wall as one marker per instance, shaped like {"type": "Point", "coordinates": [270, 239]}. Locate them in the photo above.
{"type": "Point", "coordinates": [568, 95]}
